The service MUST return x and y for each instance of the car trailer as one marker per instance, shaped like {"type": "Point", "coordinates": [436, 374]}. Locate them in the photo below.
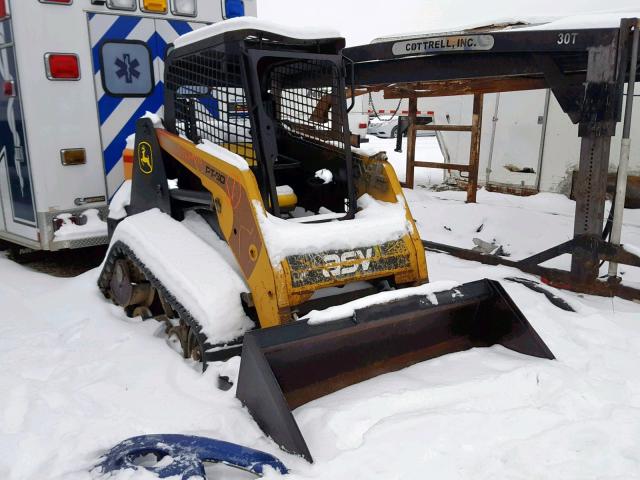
{"type": "Point", "coordinates": [585, 68]}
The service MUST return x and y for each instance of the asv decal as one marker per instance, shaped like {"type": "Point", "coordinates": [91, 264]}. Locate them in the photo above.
{"type": "Point", "coordinates": [338, 270]}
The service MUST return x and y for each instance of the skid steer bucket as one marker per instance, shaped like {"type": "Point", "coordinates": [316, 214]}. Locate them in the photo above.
{"type": "Point", "coordinates": [287, 366]}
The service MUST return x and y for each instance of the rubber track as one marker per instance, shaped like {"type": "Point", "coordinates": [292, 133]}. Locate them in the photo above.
{"type": "Point", "coordinates": [120, 250]}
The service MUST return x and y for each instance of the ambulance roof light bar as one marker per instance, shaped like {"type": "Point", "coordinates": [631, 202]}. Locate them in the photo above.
{"type": "Point", "coordinates": [154, 6]}
{"type": "Point", "coordinates": [122, 4]}
{"type": "Point", "coordinates": [186, 8]}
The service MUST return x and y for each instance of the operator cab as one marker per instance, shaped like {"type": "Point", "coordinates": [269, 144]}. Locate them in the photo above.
{"type": "Point", "coordinates": [279, 103]}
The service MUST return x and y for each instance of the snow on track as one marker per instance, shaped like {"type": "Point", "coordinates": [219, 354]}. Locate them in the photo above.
{"type": "Point", "coordinates": [200, 278]}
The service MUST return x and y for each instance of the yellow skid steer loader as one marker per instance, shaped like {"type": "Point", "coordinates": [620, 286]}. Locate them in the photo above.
{"type": "Point", "coordinates": [255, 135]}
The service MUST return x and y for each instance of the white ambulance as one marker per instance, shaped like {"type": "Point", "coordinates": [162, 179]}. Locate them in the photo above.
{"type": "Point", "coordinates": [75, 75]}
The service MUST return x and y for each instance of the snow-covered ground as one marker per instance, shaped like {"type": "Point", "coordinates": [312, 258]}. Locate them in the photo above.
{"type": "Point", "coordinates": [79, 376]}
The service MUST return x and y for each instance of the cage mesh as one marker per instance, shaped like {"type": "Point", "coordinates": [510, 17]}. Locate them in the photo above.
{"type": "Point", "coordinates": [307, 100]}
{"type": "Point", "coordinates": [209, 101]}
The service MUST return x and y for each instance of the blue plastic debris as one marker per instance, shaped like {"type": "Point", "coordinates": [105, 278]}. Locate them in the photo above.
{"type": "Point", "coordinates": [184, 455]}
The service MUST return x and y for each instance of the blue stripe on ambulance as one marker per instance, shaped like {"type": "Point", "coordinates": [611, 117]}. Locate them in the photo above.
{"type": "Point", "coordinates": [120, 30]}
{"type": "Point", "coordinates": [152, 103]}
{"type": "Point", "coordinates": [180, 27]}
{"type": "Point", "coordinates": [108, 104]}
{"type": "Point", "coordinates": [126, 28]}
{"type": "Point", "coordinates": [113, 152]}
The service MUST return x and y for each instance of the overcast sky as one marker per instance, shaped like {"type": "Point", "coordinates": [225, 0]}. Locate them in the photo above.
{"type": "Point", "coordinates": [360, 21]}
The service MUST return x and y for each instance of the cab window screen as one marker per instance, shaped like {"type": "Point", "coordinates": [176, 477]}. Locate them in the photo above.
{"type": "Point", "coordinates": [127, 69]}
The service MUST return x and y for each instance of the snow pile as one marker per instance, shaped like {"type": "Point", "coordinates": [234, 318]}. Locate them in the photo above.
{"type": "Point", "coordinates": [523, 226]}
{"type": "Point", "coordinates": [223, 154]}
{"type": "Point", "coordinates": [252, 23]}
{"type": "Point", "coordinates": [367, 150]}
{"type": "Point", "coordinates": [609, 18]}
{"type": "Point", "coordinates": [194, 272]}
{"type": "Point", "coordinates": [376, 223]}
{"type": "Point", "coordinates": [131, 142]}
{"type": "Point", "coordinates": [155, 119]}
{"type": "Point", "coordinates": [481, 25]}
{"type": "Point", "coordinates": [589, 20]}
{"type": "Point", "coordinates": [94, 226]}
{"type": "Point", "coordinates": [324, 175]}
{"type": "Point", "coordinates": [79, 376]}
{"type": "Point", "coordinates": [121, 200]}
{"type": "Point", "coordinates": [347, 310]}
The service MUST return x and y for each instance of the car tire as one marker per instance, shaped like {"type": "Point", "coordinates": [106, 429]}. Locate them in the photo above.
{"type": "Point", "coordinates": [394, 132]}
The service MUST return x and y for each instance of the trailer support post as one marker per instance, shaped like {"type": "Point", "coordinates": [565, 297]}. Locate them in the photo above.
{"type": "Point", "coordinates": [474, 151]}
{"type": "Point", "coordinates": [411, 142]}
{"type": "Point", "coordinates": [625, 147]}
{"type": "Point", "coordinates": [596, 128]}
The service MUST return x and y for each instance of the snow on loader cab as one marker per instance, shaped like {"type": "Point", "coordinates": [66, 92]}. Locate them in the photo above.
{"type": "Point", "coordinates": [246, 131]}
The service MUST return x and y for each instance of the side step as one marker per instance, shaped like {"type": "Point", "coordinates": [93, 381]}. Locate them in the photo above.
{"type": "Point", "coordinates": [287, 366]}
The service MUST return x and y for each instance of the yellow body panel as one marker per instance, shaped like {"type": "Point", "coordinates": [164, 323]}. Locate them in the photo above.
{"type": "Point", "coordinates": [277, 290]}
{"type": "Point", "coordinates": [378, 179]}
{"type": "Point", "coordinates": [287, 201]}
{"type": "Point", "coordinates": [234, 191]}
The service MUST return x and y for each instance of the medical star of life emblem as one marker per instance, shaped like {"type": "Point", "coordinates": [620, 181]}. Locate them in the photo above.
{"type": "Point", "coordinates": [127, 68]}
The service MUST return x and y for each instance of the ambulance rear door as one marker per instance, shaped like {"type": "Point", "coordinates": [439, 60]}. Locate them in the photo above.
{"type": "Point", "coordinates": [128, 68]}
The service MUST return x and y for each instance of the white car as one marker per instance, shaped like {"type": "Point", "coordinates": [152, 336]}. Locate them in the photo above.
{"type": "Point", "coordinates": [386, 126]}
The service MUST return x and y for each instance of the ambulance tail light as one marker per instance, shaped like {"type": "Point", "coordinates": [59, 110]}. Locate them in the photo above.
{"type": "Point", "coordinates": [362, 125]}
{"type": "Point", "coordinates": [233, 8]}
{"type": "Point", "coordinates": [185, 8]}
{"type": "Point", "coordinates": [73, 156]}
{"type": "Point", "coordinates": [9, 87]}
{"type": "Point", "coordinates": [62, 66]}
{"type": "Point", "coordinates": [121, 4]}
{"type": "Point", "coordinates": [4, 10]}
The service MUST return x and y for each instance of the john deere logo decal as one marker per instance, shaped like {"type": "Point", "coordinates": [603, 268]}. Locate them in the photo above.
{"type": "Point", "coordinates": [145, 158]}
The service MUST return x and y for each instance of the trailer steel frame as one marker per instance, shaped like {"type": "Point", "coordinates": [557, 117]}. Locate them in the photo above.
{"type": "Point", "coordinates": [586, 70]}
